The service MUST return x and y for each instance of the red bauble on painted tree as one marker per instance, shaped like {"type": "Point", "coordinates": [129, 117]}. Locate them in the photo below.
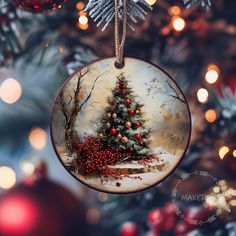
{"type": "Point", "coordinates": [131, 112]}
{"type": "Point", "coordinates": [127, 102]}
{"type": "Point", "coordinates": [138, 136]}
{"type": "Point", "coordinates": [113, 131]}
{"type": "Point", "coordinates": [38, 6]}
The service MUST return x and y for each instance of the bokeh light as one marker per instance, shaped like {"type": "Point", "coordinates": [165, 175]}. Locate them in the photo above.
{"type": "Point", "coordinates": [223, 151]}
{"type": "Point", "coordinates": [211, 76]}
{"type": "Point", "coordinates": [7, 177]}
{"type": "Point", "coordinates": [178, 24]}
{"type": "Point", "coordinates": [18, 215]}
{"type": "Point", "coordinates": [38, 138]}
{"type": "Point", "coordinates": [27, 167]}
{"type": "Point", "coordinates": [102, 197]}
{"type": "Point", "coordinates": [93, 216]}
{"type": "Point", "coordinates": [80, 5]}
{"type": "Point", "coordinates": [150, 2]}
{"type": "Point", "coordinates": [174, 10]}
{"type": "Point", "coordinates": [82, 27]}
{"type": "Point", "coordinates": [234, 153]}
{"type": "Point", "coordinates": [83, 20]}
{"type": "Point", "coordinates": [10, 91]}
{"type": "Point", "coordinates": [210, 115]}
{"type": "Point", "coordinates": [202, 95]}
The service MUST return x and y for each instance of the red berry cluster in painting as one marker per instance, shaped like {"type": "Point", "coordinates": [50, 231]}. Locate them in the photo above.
{"type": "Point", "coordinates": [121, 135]}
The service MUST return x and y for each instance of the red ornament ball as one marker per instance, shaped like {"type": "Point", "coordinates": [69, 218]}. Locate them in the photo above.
{"type": "Point", "coordinates": [38, 6]}
{"type": "Point", "coordinates": [138, 136]}
{"type": "Point", "coordinates": [131, 112]}
{"type": "Point", "coordinates": [113, 131]}
{"type": "Point", "coordinates": [155, 217]}
{"type": "Point", "coordinates": [28, 209]}
{"type": "Point", "coordinates": [129, 229]}
{"type": "Point", "coordinates": [142, 143]}
{"type": "Point", "coordinates": [124, 86]}
{"type": "Point", "coordinates": [117, 88]}
{"type": "Point", "coordinates": [123, 92]}
{"type": "Point", "coordinates": [137, 123]}
{"type": "Point", "coordinates": [127, 102]}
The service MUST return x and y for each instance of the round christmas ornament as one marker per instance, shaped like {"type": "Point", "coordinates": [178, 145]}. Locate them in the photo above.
{"type": "Point", "coordinates": [146, 140]}
{"type": "Point", "coordinates": [38, 6]}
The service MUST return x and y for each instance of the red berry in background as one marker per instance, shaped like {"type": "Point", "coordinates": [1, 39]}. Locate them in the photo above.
{"type": "Point", "coordinates": [137, 123]}
{"type": "Point", "coordinates": [170, 217]}
{"type": "Point", "coordinates": [197, 214]}
{"type": "Point", "coordinates": [138, 136]}
{"type": "Point", "coordinates": [123, 92]}
{"type": "Point", "coordinates": [155, 217]}
{"type": "Point", "coordinates": [117, 88]}
{"type": "Point", "coordinates": [127, 102]}
{"type": "Point", "coordinates": [169, 208]}
{"type": "Point", "coordinates": [129, 229]}
{"type": "Point", "coordinates": [113, 131]}
{"type": "Point", "coordinates": [181, 229]}
{"type": "Point", "coordinates": [142, 143]}
{"type": "Point", "coordinates": [131, 112]}
{"type": "Point", "coordinates": [124, 86]}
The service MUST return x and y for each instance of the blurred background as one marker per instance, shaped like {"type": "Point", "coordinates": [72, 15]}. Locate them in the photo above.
{"type": "Point", "coordinates": [41, 44]}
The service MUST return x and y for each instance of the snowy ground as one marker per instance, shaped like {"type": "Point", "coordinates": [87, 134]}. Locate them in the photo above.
{"type": "Point", "coordinates": [167, 163]}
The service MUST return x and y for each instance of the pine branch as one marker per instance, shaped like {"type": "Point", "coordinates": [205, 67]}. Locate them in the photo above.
{"type": "Point", "coordinates": [103, 11]}
{"type": "Point", "coordinates": [204, 3]}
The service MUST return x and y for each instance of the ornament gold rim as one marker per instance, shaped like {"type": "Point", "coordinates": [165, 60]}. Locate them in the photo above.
{"type": "Point", "coordinates": [122, 192]}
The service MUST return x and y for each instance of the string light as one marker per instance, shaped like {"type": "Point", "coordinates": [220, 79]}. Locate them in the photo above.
{"type": "Point", "coordinates": [202, 95]}
{"type": "Point", "coordinates": [82, 27]}
{"type": "Point", "coordinates": [7, 177]}
{"type": "Point", "coordinates": [210, 115]}
{"type": "Point", "coordinates": [80, 5]}
{"type": "Point", "coordinates": [83, 20]}
{"type": "Point", "coordinates": [10, 91]}
{"type": "Point", "coordinates": [212, 76]}
{"type": "Point", "coordinates": [150, 2]}
{"type": "Point", "coordinates": [82, 13]}
{"type": "Point", "coordinates": [223, 151]}
{"type": "Point", "coordinates": [234, 153]}
{"type": "Point", "coordinates": [174, 10]}
{"type": "Point", "coordinates": [38, 138]}
{"type": "Point", "coordinates": [178, 23]}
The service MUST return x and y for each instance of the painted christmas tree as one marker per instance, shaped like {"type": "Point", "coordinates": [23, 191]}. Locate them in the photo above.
{"type": "Point", "coordinates": [123, 126]}
{"type": "Point", "coordinates": [121, 135]}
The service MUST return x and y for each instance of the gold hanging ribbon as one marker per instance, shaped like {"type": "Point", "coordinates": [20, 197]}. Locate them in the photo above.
{"type": "Point", "coordinates": [119, 45]}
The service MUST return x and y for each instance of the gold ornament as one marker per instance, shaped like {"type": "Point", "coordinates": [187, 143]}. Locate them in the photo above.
{"type": "Point", "coordinates": [108, 125]}
{"type": "Point", "coordinates": [114, 116]}
{"type": "Point", "coordinates": [119, 136]}
{"type": "Point", "coordinates": [100, 135]}
{"type": "Point", "coordinates": [137, 112]}
{"type": "Point", "coordinates": [108, 115]}
{"type": "Point", "coordinates": [124, 140]}
{"type": "Point", "coordinates": [128, 124]}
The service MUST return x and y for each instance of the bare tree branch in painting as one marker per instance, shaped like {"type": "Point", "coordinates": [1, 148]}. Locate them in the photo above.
{"type": "Point", "coordinates": [77, 106]}
{"type": "Point", "coordinates": [153, 85]}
